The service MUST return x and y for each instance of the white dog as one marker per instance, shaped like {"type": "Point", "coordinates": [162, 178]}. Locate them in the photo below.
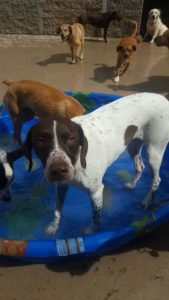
{"type": "Point", "coordinates": [154, 26]}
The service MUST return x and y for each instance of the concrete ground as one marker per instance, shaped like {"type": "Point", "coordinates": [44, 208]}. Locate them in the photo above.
{"type": "Point", "coordinates": [139, 270]}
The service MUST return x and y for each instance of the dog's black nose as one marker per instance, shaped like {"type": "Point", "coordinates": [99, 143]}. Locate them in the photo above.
{"type": "Point", "coordinates": [58, 172]}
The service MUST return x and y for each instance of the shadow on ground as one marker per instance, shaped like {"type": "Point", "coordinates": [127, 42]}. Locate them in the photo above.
{"type": "Point", "coordinates": [102, 73]}
{"type": "Point", "coordinates": [55, 59]}
{"type": "Point", "coordinates": [154, 84]}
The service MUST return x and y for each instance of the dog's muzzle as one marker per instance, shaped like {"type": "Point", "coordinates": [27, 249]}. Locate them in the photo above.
{"type": "Point", "coordinates": [64, 38]}
{"type": "Point", "coordinates": [59, 169]}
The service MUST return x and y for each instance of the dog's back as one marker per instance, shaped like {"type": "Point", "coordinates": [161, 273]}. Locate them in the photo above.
{"type": "Point", "coordinates": [99, 19]}
{"type": "Point", "coordinates": [44, 100]}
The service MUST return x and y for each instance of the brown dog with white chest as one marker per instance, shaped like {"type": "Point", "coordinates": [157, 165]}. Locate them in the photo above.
{"type": "Point", "coordinates": [74, 35]}
{"type": "Point", "coordinates": [126, 49]}
{"type": "Point", "coordinates": [25, 99]}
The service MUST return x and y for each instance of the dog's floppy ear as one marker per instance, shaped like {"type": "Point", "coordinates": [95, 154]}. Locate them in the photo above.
{"type": "Point", "coordinates": [134, 47]}
{"type": "Point", "coordinates": [159, 12]}
{"type": "Point", "coordinates": [14, 155]}
{"type": "Point", "coordinates": [70, 29]}
{"type": "Point", "coordinates": [119, 48]}
{"type": "Point", "coordinates": [84, 145]}
{"type": "Point", "coordinates": [27, 148]}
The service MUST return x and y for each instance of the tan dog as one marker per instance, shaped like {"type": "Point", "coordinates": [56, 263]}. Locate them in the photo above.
{"type": "Point", "coordinates": [125, 50]}
{"type": "Point", "coordinates": [27, 98]}
{"type": "Point", "coordinates": [74, 35]}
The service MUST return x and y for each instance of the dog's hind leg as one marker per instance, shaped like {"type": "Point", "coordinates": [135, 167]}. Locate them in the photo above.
{"type": "Point", "coordinates": [134, 149]}
{"type": "Point", "coordinates": [82, 50]}
{"type": "Point", "coordinates": [72, 49]}
{"type": "Point", "coordinates": [155, 156]}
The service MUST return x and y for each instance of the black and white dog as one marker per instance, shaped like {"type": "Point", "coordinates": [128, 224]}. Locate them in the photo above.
{"type": "Point", "coordinates": [6, 171]}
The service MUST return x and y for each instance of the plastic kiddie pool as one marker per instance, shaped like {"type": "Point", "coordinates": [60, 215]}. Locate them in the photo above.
{"type": "Point", "coordinates": [23, 220]}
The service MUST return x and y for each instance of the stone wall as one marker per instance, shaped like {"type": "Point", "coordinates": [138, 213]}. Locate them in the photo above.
{"type": "Point", "coordinates": [38, 17]}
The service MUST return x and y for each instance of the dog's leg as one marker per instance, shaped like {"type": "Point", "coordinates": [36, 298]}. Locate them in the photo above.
{"type": "Point", "coordinates": [72, 48]}
{"type": "Point", "coordinates": [116, 78]}
{"type": "Point", "coordinates": [134, 149]}
{"type": "Point", "coordinates": [82, 50]}
{"type": "Point", "coordinates": [97, 203]}
{"type": "Point", "coordinates": [78, 52]}
{"type": "Point", "coordinates": [105, 33]}
{"type": "Point", "coordinates": [25, 115]}
{"type": "Point", "coordinates": [10, 100]}
{"type": "Point", "coordinates": [61, 194]}
{"type": "Point", "coordinates": [153, 37]}
{"type": "Point", "coordinates": [155, 156]}
{"type": "Point", "coordinates": [117, 72]}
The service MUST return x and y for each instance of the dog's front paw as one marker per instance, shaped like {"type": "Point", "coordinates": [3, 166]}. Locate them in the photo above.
{"type": "Point", "coordinates": [152, 41]}
{"type": "Point", "coordinates": [148, 200]}
{"type": "Point", "coordinates": [73, 61]}
{"type": "Point", "coordinates": [51, 229]}
{"type": "Point", "coordinates": [116, 79]}
{"type": "Point", "coordinates": [53, 226]}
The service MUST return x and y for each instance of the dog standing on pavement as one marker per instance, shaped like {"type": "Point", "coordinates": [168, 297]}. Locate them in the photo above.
{"type": "Point", "coordinates": [25, 99]}
{"type": "Point", "coordinates": [126, 49]}
{"type": "Point", "coordinates": [154, 26]}
{"type": "Point", "coordinates": [101, 20]}
{"type": "Point", "coordinates": [74, 35]}
{"type": "Point", "coordinates": [68, 148]}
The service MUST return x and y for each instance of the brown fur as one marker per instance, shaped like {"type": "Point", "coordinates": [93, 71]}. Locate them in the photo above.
{"type": "Point", "coordinates": [74, 34]}
{"type": "Point", "coordinates": [27, 98]}
{"type": "Point", "coordinates": [129, 133]}
{"type": "Point", "coordinates": [163, 40]}
{"type": "Point", "coordinates": [125, 50]}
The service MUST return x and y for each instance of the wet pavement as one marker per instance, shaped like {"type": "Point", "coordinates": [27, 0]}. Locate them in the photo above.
{"type": "Point", "coordinates": [48, 60]}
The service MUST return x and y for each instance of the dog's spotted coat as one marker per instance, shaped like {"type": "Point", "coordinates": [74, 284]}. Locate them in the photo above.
{"type": "Point", "coordinates": [79, 151]}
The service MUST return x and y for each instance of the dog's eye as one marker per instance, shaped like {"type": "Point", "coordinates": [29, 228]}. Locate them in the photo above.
{"type": "Point", "coordinates": [72, 138]}
{"type": "Point", "coordinates": [41, 140]}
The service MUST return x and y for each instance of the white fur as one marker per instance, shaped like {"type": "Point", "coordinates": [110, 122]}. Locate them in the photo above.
{"type": "Point", "coordinates": [7, 167]}
{"type": "Point", "coordinates": [105, 131]}
{"type": "Point", "coordinates": [154, 26]}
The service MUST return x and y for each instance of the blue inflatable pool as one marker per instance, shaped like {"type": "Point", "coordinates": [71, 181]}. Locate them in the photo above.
{"type": "Point", "coordinates": [23, 220]}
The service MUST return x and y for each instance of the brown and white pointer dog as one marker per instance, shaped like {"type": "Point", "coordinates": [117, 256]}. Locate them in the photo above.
{"type": "Point", "coordinates": [80, 150]}
{"type": "Point", "coordinates": [25, 99]}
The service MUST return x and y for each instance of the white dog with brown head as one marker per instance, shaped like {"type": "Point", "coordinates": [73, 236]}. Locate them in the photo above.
{"type": "Point", "coordinates": [80, 150]}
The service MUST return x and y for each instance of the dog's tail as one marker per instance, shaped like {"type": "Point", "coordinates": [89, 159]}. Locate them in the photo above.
{"type": "Point", "coordinates": [134, 28]}
{"type": "Point", "coordinates": [7, 81]}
